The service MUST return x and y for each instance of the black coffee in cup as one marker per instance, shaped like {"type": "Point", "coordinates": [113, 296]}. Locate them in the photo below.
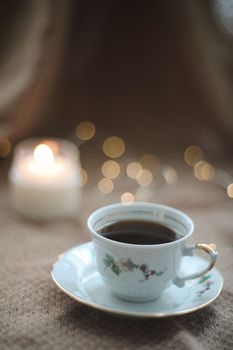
{"type": "Point", "coordinates": [139, 232]}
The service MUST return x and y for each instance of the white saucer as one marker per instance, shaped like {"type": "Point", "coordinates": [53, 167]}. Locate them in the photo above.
{"type": "Point", "coordinates": [76, 275]}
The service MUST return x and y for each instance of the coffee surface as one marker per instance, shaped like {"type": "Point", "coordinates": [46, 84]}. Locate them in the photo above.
{"type": "Point", "coordinates": [139, 232]}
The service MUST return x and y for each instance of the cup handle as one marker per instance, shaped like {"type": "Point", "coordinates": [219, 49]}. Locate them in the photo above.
{"type": "Point", "coordinates": [188, 251]}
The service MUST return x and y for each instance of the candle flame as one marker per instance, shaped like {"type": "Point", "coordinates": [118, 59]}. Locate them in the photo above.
{"type": "Point", "coordinates": [43, 155]}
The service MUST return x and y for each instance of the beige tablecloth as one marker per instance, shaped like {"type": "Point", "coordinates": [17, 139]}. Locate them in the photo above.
{"type": "Point", "coordinates": [35, 314]}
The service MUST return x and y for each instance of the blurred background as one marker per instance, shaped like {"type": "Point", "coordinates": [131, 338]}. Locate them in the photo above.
{"type": "Point", "coordinates": [154, 75]}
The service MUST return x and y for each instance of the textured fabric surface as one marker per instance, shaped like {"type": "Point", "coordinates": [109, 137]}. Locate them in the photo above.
{"type": "Point", "coordinates": [35, 314]}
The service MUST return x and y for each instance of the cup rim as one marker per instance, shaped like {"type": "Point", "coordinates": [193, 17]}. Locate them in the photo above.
{"type": "Point", "coordinates": [93, 216]}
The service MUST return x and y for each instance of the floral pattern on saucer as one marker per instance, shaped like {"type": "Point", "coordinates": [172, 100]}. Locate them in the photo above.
{"type": "Point", "coordinates": [127, 265]}
{"type": "Point", "coordinates": [206, 283]}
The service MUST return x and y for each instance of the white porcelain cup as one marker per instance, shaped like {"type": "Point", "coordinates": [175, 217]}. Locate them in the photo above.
{"type": "Point", "coordinates": [142, 272]}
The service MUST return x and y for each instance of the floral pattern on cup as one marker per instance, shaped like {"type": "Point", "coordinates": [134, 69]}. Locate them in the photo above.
{"type": "Point", "coordinates": [128, 265]}
{"type": "Point", "coordinates": [206, 283]}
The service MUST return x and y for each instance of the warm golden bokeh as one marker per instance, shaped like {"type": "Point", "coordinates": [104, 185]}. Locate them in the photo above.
{"type": "Point", "coordinates": [204, 171]}
{"type": "Point", "coordinates": [197, 169]}
{"type": "Point", "coordinates": [83, 177]}
{"type": "Point", "coordinates": [144, 177]}
{"type": "Point", "coordinates": [110, 169]}
{"type": "Point", "coordinates": [105, 186]}
{"type": "Point", "coordinates": [127, 198]}
{"type": "Point", "coordinates": [208, 172]}
{"type": "Point", "coordinates": [170, 175]}
{"type": "Point", "coordinates": [193, 154]}
{"type": "Point", "coordinates": [85, 130]}
{"type": "Point", "coordinates": [114, 147]}
{"type": "Point", "coordinates": [150, 162]}
{"type": "Point", "coordinates": [230, 190]}
{"type": "Point", "coordinates": [133, 169]}
{"type": "Point", "coordinates": [5, 147]}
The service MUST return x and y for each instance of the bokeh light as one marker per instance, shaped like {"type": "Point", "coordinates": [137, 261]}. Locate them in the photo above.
{"type": "Point", "coordinates": [193, 154]}
{"type": "Point", "coordinates": [110, 169]}
{"type": "Point", "coordinates": [5, 147]}
{"type": "Point", "coordinates": [208, 172]}
{"type": "Point", "coordinates": [230, 190]}
{"type": "Point", "coordinates": [85, 130]}
{"type": "Point", "coordinates": [83, 177]}
{"type": "Point", "coordinates": [144, 177]}
{"type": "Point", "coordinates": [204, 171]}
{"type": "Point", "coordinates": [150, 162]}
{"type": "Point", "coordinates": [114, 147]}
{"type": "Point", "coordinates": [127, 198]}
{"type": "Point", "coordinates": [197, 169]}
{"type": "Point", "coordinates": [105, 185]}
{"type": "Point", "coordinates": [133, 169]}
{"type": "Point", "coordinates": [170, 175]}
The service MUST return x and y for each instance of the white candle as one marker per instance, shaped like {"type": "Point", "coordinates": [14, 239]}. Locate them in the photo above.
{"type": "Point", "coordinates": [45, 179]}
